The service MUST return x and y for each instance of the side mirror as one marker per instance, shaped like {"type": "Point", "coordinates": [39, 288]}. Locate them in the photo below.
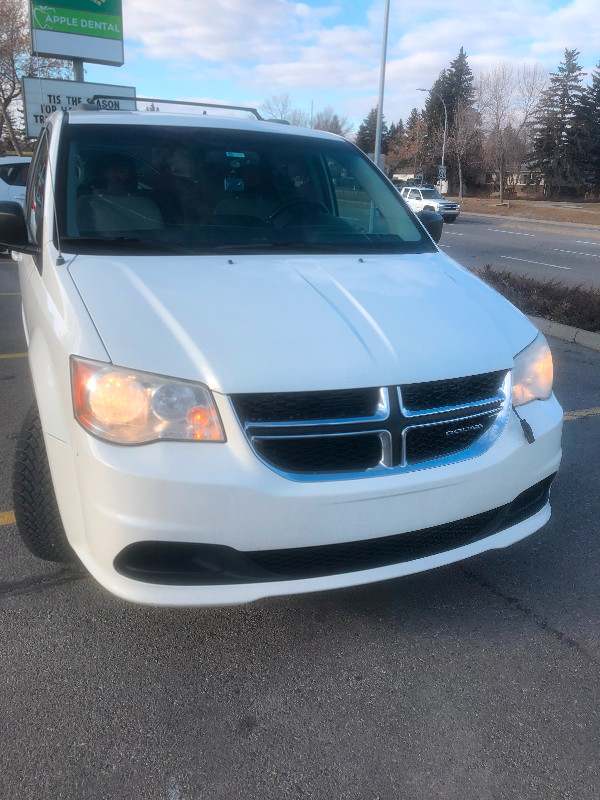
{"type": "Point", "coordinates": [433, 223]}
{"type": "Point", "coordinates": [13, 230]}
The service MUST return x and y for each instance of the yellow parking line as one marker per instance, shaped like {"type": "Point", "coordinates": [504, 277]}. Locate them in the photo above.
{"type": "Point", "coordinates": [7, 517]}
{"type": "Point", "coordinates": [9, 294]}
{"type": "Point", "coordinates": [14, 355]}
{"type": "Point", "coordinates": [583, 412]}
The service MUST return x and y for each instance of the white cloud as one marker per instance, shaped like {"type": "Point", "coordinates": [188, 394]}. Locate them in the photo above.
{"type": "Point", "coordinates": [331, 53]}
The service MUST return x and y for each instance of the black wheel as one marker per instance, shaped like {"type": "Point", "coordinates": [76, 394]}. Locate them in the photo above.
{"type": "Point", "coordinates": [36, 510]}
{"type": "Point", "coordinates": [450, 220]}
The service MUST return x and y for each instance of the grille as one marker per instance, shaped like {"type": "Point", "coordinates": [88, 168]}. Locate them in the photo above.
{"type": "Point", "coordinates": [320, 454]}
{"type": "Point", "coordinates": [348, 433]}
{"type": "Point", "coordinates": [294, 406]}
{"type": "Point", "coordinates": [453, 392]}
{"type": "Point", "coordinates": [439, 440]}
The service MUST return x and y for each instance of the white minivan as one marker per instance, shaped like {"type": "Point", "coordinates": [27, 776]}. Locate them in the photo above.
{"type": "Point", "coordinates": [252, 380]}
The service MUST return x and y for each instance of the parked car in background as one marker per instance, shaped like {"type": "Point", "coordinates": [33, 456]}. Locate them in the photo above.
{"type": "Point", "coordinates": [429, 199]}
{"type": "Point", "coordinates": [13, 178]}
{"type": "Point", "coordinates": [252, 381]}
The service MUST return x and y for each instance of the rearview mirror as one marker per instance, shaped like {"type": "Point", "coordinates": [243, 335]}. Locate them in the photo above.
{"type": "Point", "coordinates": [434, 224]}
{"type": "Point", "coordinates": [13, 230]}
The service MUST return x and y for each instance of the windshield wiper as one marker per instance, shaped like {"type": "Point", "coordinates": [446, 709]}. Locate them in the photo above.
{"type": "Point", "coordinates": [132, 242]}
{"type": "Point", "coordinates": [295, 247]}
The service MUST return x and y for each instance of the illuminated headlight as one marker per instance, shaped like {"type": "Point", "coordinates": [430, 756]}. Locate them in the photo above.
{"type": "Point", "coordinates": [130, 407]}
{"type": "Point", "coordinates": [533, 373]}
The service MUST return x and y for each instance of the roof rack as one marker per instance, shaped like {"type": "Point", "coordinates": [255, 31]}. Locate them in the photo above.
{"type": "Point", "coordinates": [93, 106]}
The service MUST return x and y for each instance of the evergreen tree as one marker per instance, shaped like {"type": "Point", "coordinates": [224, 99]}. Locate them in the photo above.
{"type": "Point", "coordinates": [416, 133]}
{"type": "Point", "coordinates": [396, 135]}
{"type": "Point", "coordinates": [458, 84]}
{"type": "Point", "coordinates": [585, 136]}
{"type": "Point", "coordinates": [455, 85]}
{"type": "Point", "coordinates": [454, 88]}
{"type": "Point", "coordinates": [365, 138]}
{"type": "Point", "coordinates": [555, 130]}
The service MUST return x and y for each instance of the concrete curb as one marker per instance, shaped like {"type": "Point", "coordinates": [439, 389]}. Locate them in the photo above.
{"type": "Point", "coordinates": [566, 332]}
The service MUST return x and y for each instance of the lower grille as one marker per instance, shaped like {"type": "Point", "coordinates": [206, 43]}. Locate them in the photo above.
{"type": "Point", "coordinates": [212, 565]}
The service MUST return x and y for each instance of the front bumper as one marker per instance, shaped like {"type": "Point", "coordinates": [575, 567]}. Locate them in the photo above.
{"type": "Point", "coordinates": [221, 494]}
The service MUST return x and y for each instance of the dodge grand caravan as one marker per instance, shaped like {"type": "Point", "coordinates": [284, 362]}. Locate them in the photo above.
{"type": "Point", "coordinates": [252, 381]}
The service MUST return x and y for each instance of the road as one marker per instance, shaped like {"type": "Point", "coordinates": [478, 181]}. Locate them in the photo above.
{"type": "Point", "coordinates": [478, 681]}
{"type": "Point", "coordinates": [547, 251]}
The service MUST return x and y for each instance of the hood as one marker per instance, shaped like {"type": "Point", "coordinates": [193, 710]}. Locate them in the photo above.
{"type": "Point", "coordinates": [298, 323]}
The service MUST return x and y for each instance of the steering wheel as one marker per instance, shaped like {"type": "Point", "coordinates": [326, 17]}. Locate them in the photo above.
{"type": "Point", "coordinates": [317, 204]}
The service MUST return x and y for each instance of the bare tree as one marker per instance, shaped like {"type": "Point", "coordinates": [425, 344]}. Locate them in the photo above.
{"type": "Point", "coordinates": [299, 118]}
{"type": "Point", "coordinates": [506, 100]}
{"type": "Point", "coordinates": [465, 139]}
{"type": "Point", "coordinates": [277, 106]}
{"type": "Point", "coordinates": [532, 80]}
{"type": "Point", "coordinates": [328, 120]}
{"type": "Point", "coordinates": [15, 61]}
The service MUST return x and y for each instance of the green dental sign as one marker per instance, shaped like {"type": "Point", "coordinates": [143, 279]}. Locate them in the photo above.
{"type": "Point", "coordinates": [81, 22]}
{"type": "Point", "coordinates": [91, 30]}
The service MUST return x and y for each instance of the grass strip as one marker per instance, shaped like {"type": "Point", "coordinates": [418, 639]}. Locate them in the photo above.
{"type": "Point", "coordinates": [578, 306]}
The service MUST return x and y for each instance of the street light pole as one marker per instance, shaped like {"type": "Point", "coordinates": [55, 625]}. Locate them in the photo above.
{"type": "Point", "coordinates": [445, 121]}
{"type": "Point", "coordinates": [379, 126]}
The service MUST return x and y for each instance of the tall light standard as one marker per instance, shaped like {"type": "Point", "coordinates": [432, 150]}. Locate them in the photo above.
{"type": "Point", "coordinates": [445, 120]}
{"type": "Point", "coordinates": [379, 125]}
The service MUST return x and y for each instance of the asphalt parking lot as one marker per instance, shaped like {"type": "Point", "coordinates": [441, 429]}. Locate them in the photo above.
{"type": "Point", "coordinates": [477, 681]}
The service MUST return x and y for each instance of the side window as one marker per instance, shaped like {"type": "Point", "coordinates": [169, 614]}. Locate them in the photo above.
{"type": "Point", "coordinates": [35, 192]}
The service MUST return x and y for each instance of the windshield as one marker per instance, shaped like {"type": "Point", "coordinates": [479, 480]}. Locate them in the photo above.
{"type": "Point", "coordinates": [431, 194]}
{"type": "Point", "coordinates": [203, 190]}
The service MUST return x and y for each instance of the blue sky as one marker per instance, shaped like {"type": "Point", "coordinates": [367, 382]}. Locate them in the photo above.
{"type": "Point", "coordinates": [328, 53]}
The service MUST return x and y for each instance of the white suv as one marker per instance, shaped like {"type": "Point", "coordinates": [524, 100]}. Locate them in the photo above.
{"type": "Point", "coordinates": [13, 177]}
{"type": "Point", "coordinates": [251, 380]}
{"type": "Point", "coordinates": [429, 199]}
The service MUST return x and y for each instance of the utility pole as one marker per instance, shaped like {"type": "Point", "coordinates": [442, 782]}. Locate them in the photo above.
{"type": "Point", "coordinates": [379, 125]}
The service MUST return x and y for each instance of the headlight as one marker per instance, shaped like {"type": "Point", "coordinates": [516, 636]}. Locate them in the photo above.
{"type": "Point", "coordinates": [131, 407]}
{"type": "Point", "coordinates": [533, 373]}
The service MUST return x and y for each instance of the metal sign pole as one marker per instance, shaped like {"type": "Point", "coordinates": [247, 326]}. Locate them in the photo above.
{"type": "Point", "coordinates": [78, 71]}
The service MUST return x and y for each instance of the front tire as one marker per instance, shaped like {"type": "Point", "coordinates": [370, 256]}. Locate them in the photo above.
{"type": "Point", "coordinates": [34, 501]}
